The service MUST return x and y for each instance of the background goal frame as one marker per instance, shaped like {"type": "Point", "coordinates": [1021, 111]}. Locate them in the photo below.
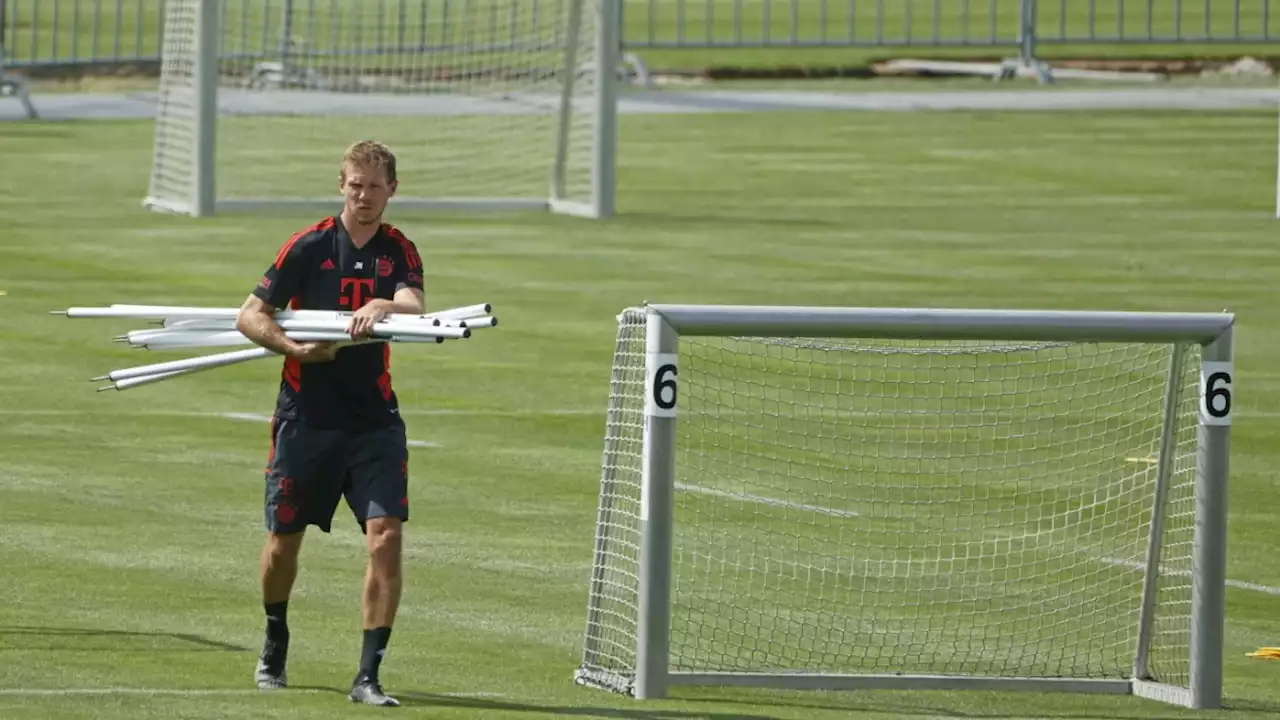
{"type": "Point", "coordinates": [193, 37]}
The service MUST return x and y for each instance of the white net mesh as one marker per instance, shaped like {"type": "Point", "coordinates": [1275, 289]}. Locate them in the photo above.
{"type": "Point", "coordinates": [468, 93]}
{"type": "Point", "coordinates": [175, 142]}
{"type": "Point", "coordinates": [913, 507]}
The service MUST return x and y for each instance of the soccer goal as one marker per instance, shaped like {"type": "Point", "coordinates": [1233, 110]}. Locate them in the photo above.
{"type": "Point", "coordinates": [488, 104]}
{"type": "Point", "coordinates": [830, 498]}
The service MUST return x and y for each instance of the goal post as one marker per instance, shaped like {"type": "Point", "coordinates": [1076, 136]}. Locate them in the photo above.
{"type": "Point", "coordinates": [841, 498]}
{"type": "Point", "coordinates": [489, 105]}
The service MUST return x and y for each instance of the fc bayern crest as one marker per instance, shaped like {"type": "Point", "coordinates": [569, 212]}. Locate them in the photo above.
{"type": "Point", "coordinates": [385, 266]}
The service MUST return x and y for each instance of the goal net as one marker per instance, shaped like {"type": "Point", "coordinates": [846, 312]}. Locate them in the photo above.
{"type": "Point", "coordinates": [899, 499]}
{"type": "Point", "coordinates": [488, 104]}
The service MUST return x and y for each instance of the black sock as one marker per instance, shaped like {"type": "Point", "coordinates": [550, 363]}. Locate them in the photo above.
{"type": "Point", "coordinates": [375, 643]}
{"type": "Point", "coordinates": [277, 622]}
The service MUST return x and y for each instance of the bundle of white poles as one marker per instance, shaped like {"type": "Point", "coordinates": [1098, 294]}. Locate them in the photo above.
{"type": "Point", "coordinates": [183, 327]}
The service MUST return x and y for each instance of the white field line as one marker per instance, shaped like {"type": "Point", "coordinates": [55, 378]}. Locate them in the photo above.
{"type": "Point", "coordinates": [834, 512]}
{"type": "Point", "coordinates": [206, 692]}
{"type": "Point", "coordinates": [1241, 584]}
{"type": "Point", "coordinates": [763, 500]}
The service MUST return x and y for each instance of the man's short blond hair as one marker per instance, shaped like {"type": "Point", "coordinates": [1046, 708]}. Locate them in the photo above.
{"type": "Point", "coordinates": [370, 154]}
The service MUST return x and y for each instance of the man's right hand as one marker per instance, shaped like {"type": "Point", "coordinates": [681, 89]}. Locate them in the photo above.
{"type": "Point", "coordinates": [315, 352]}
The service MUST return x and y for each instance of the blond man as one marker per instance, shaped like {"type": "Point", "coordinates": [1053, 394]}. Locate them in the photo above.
{"type": "Point", "coordinates": [336, 431]}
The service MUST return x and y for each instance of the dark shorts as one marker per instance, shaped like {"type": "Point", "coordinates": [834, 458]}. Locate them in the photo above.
{"type": "Point", "coordinates": [309, 469]}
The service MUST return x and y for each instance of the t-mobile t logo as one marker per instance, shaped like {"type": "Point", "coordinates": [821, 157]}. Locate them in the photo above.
{"type": "Point", "coordinates": [355, 292]}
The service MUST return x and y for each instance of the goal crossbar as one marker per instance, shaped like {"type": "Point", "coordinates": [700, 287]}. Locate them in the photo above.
{"type": "Point", "coordinates": [628, 639]}
{"type": "Point", "coordinates": [943, 324]}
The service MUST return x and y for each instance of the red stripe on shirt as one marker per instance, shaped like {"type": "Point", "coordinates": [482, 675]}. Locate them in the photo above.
{"type": "Point", "coordinates": [410, 252]}
{"type": "Point", "coordinates": [324, 224]}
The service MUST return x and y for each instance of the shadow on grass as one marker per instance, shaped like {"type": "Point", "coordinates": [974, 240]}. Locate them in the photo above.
{"type": "Point", "coordinates": [1139, 710]}
{"type": "Point", "coordinates": [81, 639]}
{"type": "Point", "coordinates": [492, 704]}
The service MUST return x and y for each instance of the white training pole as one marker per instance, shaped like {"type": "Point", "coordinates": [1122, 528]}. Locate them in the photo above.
{"type": "Point", "coordinates": [217, 338]}
{"type": "Point", "coordinates": [165, 312]}
{"type": "Point", "coordinates": [190, 339]}
{"type": "Point", "coordinates": [382, 329]}
{"type": "Point", "coordinates": [148, 312]}
{"type": "Point", "coordinates": [301, 331]}
{"type": "Point", "coordinates": [177, 323]}
{"type": "Point", "coordinates": [459, 312]}
{"type": "Point", "coordinates": [477, 321]}
{"type": "Point", "coordinates": [188, 327]}
{"type": "Point", "coordinates": [144, 380]}
{"type": "Point", "coordinates": [218, 360]}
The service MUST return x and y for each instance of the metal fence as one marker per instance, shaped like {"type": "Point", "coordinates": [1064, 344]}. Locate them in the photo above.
{"type": "Point", "coordinates": [110, 32]}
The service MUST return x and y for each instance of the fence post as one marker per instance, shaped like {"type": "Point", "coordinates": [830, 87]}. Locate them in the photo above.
{"type": "Point", "coordinates": [1027, 33]}
{"type": "Point", "coordinates": [286, 40]}
{"type": "Point", "coordinates": [1027, 46]}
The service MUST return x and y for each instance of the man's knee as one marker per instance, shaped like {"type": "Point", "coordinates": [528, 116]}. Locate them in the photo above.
{"type": "Point", "coordinates": [384, 538]}
{"type": "Point", "coordinates": [283, 546]}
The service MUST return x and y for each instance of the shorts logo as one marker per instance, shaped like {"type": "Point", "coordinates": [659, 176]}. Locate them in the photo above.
{"type": "Point", "coordinates": [286, 513]}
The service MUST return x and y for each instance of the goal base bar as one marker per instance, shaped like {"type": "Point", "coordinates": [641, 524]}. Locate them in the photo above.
{"type": "Point", "coordinates": [1170, 694]}
{"type": "Point", "coordinates": [817, 681]}
{"type": "Point", "coordinates": [575, 209]}
{"type": "Point", "coordinates": [156, 204]}
{"type": "Point", "coordinates": [334, 205]}
{"type": "Point", "coordinates": [1147, 689]}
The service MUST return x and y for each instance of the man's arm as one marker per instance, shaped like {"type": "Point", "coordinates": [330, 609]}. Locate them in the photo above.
{"type": "Point", "coordinates": [408, 297]}
{"type": "Point", "coordinates": [256, 321]}
{"type": "Point", "coordinates": [407, 301]}
{"type": "Point", "coordinates": [282, 281]}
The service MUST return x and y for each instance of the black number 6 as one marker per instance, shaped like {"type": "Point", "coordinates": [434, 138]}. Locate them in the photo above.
{"type": "Point", "coordinates": [1212, 394]}
{"type": "Point", "coordinates": [664, 380]}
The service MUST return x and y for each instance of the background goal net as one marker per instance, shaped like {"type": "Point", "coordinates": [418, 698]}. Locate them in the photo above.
{"type": "Point", "coordinates": [850, 512]}
{"type": "Point", "coordinates": [488, 104]}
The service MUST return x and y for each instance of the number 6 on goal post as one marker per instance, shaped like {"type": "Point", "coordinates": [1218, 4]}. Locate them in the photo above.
{"type": "Point", "coordinates": [913, 499]}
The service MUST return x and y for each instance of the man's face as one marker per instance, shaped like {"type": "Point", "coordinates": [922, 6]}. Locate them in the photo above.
{"type": "Point", "coordinates": [366, 191]}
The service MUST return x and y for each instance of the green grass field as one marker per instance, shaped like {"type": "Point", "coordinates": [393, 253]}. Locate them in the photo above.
{"type": "Point", "coordinates": [667, 33]}
{"type": "Point", "coordinates": [130, 523]}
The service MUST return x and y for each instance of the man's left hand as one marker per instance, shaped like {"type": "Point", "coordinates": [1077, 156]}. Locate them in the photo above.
{"type": "Point", "coordinates": [363, 320]}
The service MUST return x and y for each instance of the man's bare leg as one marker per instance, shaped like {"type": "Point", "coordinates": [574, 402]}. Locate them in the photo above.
{"type": "Point", "coordinates": [279, 569]}
{"type": "Point", "coordinates": [382, 578]}
{"type": "Point", "coordinates": [381, 599]}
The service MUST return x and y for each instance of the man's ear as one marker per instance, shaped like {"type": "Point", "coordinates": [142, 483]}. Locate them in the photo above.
{"type": "Point", "coordinates": [393, 185]}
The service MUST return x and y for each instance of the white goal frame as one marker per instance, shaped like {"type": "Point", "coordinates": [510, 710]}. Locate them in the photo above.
{"type": "Point", "coordinates": [204, 200]}
{"type": "Point", "coordinates": [665, 325]}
